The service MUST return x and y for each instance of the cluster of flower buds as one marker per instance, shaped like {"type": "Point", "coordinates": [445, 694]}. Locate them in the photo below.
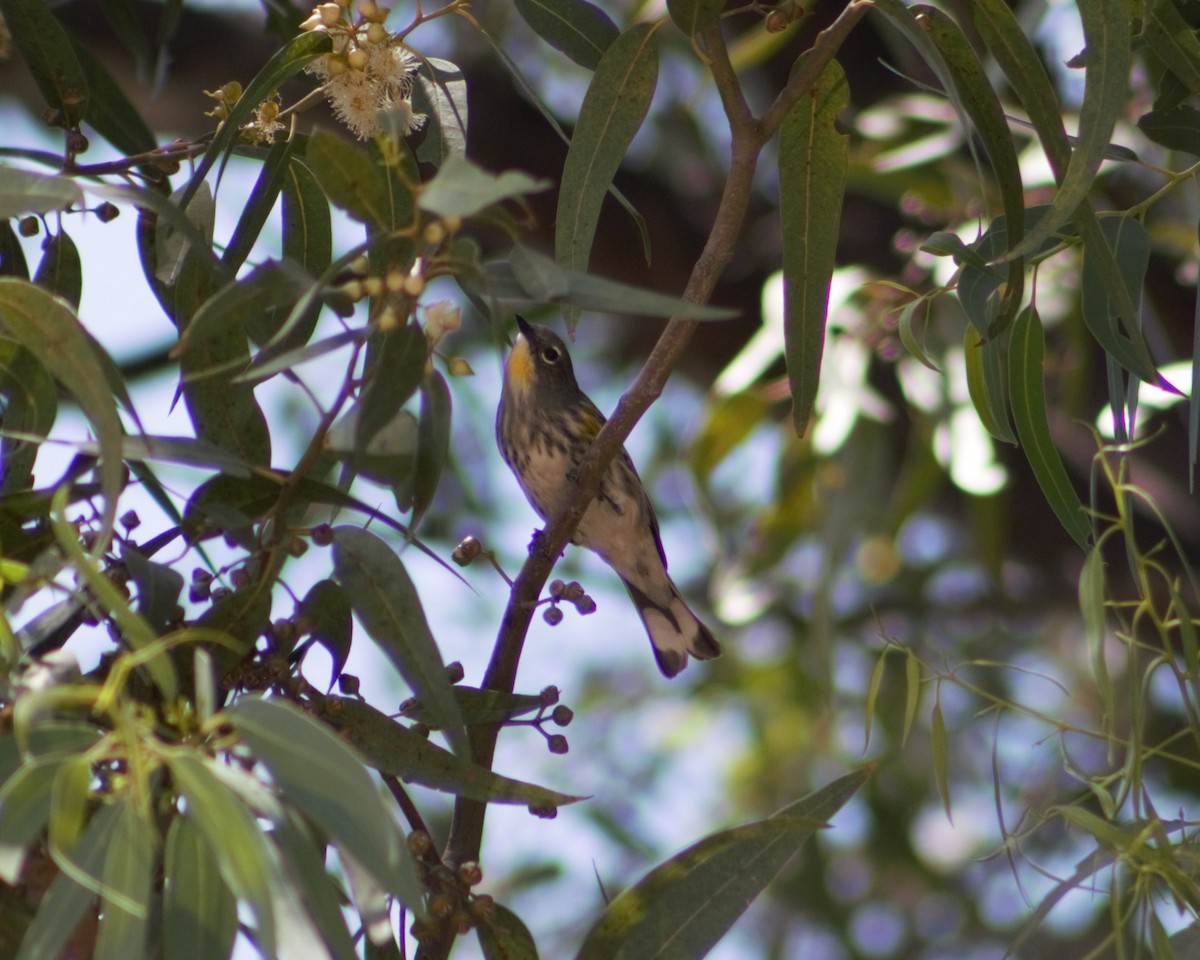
{"type": "Point", "coordinates": [368, 71]}
{"type": "Point", "coordinates": [570, 592]}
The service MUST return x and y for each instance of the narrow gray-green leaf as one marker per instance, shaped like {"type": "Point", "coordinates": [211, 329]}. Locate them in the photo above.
{"type": "Point", "coordinates": [129, 868]}
{"type": "Point", "coordinates": [1177, 128]}
{"type": "Point", "coordinates": [433, 442]}
{"type": "Point", "coordinates": [1091, 606]}
{"type": "Point", "coordinates": [233, 835]}
{"type": "Point", "coordinates": [389, 609]}
{"type": "Point", "coordinates": [1174, 40]}
{"type": "Point", "coordinates": [988, 391]}
{"type": "Point", "coordinates": [109, 111]}
{"type": "Point", "coordinates": [199, 918]}
{"type": "Point", "coordinates": [307, 234]}
{"type": "Point", "coordinates": [1106, 31]}
{"type": "Point", "coordinates": [258, 207]}
{"type": "Point", "coordinates": [812, 181]}
{"type": "Point", "coordinates": [24, 812]}
{"type": "Point", "coordinates": [682, 907]}
{"type": "Point", "coordinates": [32, 407]}
{"type": "Point", "coordinates": [323, 778]}
{"type": "Point", "coordinates": [1028, 397]}
{"type": "Point", "coordinates": [580, 30]}
{"type": "Point", "coordinates": [613, 109]}
{"type": "Point", "coordinates": [51, 331]}
{"type": "Point", "coordinates": [394, 378]}
{"type": "Point", "coordinates": [60, 270]}
{"type": "Point", "coordinates": [349, 177]}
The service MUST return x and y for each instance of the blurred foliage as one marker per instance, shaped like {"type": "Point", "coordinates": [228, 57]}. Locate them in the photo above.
{"type": "Point", "coordinates": [945, 512]}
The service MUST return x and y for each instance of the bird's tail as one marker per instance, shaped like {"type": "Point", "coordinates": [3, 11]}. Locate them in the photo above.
{"type": "Point", "coordinates": [675, 632]}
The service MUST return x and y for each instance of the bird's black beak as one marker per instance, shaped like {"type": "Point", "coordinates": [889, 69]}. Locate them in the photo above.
{"type": "Point", "coordinates": [524, 326]}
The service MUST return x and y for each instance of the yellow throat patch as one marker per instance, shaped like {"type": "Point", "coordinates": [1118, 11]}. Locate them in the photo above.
{"type": "Point", "coordinates": [519, 371]}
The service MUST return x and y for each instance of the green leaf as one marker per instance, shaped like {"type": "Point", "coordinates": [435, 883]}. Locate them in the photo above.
{"type": "Point", "coordinates": [987, 383]}
{"type": "Point", "coordinates": [351, 179]}
{"type": "Point", "coordinates": [685, 905]}
{"type": "Point", "coordinates": [1177, 128]}
{"type": "Point", "coordinates": [580, 30]}
{"type": "Point", "coordinates": [325, 780]}
{"type": "Point", "coordinates": [69, 798]}
{"type": "Point", "coordinates": [613, 109]}
{"type": "Point", "coordinates": [692, 16]}
{"type": "Point", "coordinates": [912, 692]}
{"type": "Point", "coordinates": [12, 257]}
{"type": "Point", "coordinates": [1028, 396]}
{"type": "Point", "coordinates": [66, 902]}
{"type": "Point", "coordinates": [731, 419]}
{"type": "Point", "coordinates": [812, 180]}
{"type": "Point", "coordinates": [873, 686]}
{"type": "Point", "coordinates": [31, 406]}
{"type": "Point", "coordinates": [982, 106]}
{"type": "Point", "coordinates": [22, 192]}
{"type": "Point", "coordinates": [433, 442]}
{"type": "Point", "coordinates": [478, 706]}
{"type": "Point", "coordinates": [938, 747]}
{"type": "Point", "coordinates": [392, 748]}
{"type": "Point", "coordinates": [199, 918]}
{"type": "Point", "coordinates": [389, 609]}
{"type": "Point", "coordinates": [462, 189]}
{"type": "Point", "coordinates": [233, 836]}
{"type": "Point", "coordinates": [441, 94]}
{"type": "Point", "coordinates": [243, 616]}
{"type": "Point", "coordinates": [51, 331]}
{"type": "Point", "coordinates": [533, 277]}
{"type": "Point", "coordinates": [25, 800]}
{"type": "Point", "coordinates": [286, 63]}
{"type": "Point", "coordinates": [304, 864]}
{"type": "Point", "coordinates": [129, 867]}
{"type": "Point", "coordinates": [1107, 34]}
{"type": "Point", "coordinates": [503, 936]}
{"type": "Point", "coordinates": [394, 378]}
{"type": "Point", "coordinates": [258, 301]}
{"type": "Point", "coordinates": [307, 234]}
{"type": "Point", "coordinates": [1174, 40]}
{"type": "Point", "coordinates": [275, 170]}
{"type": "Point", "coordinates": [1091, 606]}
{"type": "Point", "coordinates": [60, 270]}
{"type": "Point", "coordinates": [47, 51]}
{"type": "Point", "coordinates": [326, 613]}
{"type": "Point", "coordinates": [1115, 262]}
{"type": "Point", "coordinates": [158, 587]}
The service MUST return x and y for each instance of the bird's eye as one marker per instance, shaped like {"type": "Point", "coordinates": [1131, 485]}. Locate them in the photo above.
{"type": "Point", "coordinates": [551, 354]}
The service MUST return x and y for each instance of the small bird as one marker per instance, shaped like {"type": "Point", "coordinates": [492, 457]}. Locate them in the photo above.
{"type": "Point", "coordinates": [544, 426]}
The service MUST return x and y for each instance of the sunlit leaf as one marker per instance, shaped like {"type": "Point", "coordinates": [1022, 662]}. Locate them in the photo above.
{"type": "Point", "coordinates": [940, 753]}
{"type": "Point", "coordinates": [912, 692]}
{"type": "Point", "coordinates": [462, 189]}
{"type": "Point", "coordinates": [873, 686]}
{"type": "Point", "coordinates": [441, 94]}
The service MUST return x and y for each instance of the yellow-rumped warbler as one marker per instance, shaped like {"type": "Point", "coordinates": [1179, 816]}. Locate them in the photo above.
{"type": "Point", "coordinates": [544, 426]}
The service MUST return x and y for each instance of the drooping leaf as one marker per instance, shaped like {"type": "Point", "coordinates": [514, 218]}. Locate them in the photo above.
{"type": "Point", "coordinates": [812, 180]}
{"type": "Point", "coordinates": [60, 270]}
{"type": "Point", "coordinates": [307, 234]}
{"type": "Point", "coordinates": [128, 877]}
{"type": "Point", "coordinates": [388, 607]}
{"type": "Point", "coordinates": [109, 111]}
{"type": "Point", "coordinates": [1028, 397]}
{"type": "Point", "coordinates": [613, 109]}
{"type": "Point", "coordinates": [23, 191]}
{"type": "Point", "coordinates": [31, 407]}
{"type": "Point", "coordinates": [199, 918]}
{"type": "Point", "coordinates": [580, 30]}
{"type": "Point", "coordinates": [326, 613]}
{"type": "Point", "coordinates": [52, 332]}
{"type": "Point", "coordinates": [275, 170]}
{"type": "Point", "coordinates": [433, 442]}
{"type": "Point", "coordinates": [1174, 40]}
{"type": "Point", "coordinates": [394, 378]}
